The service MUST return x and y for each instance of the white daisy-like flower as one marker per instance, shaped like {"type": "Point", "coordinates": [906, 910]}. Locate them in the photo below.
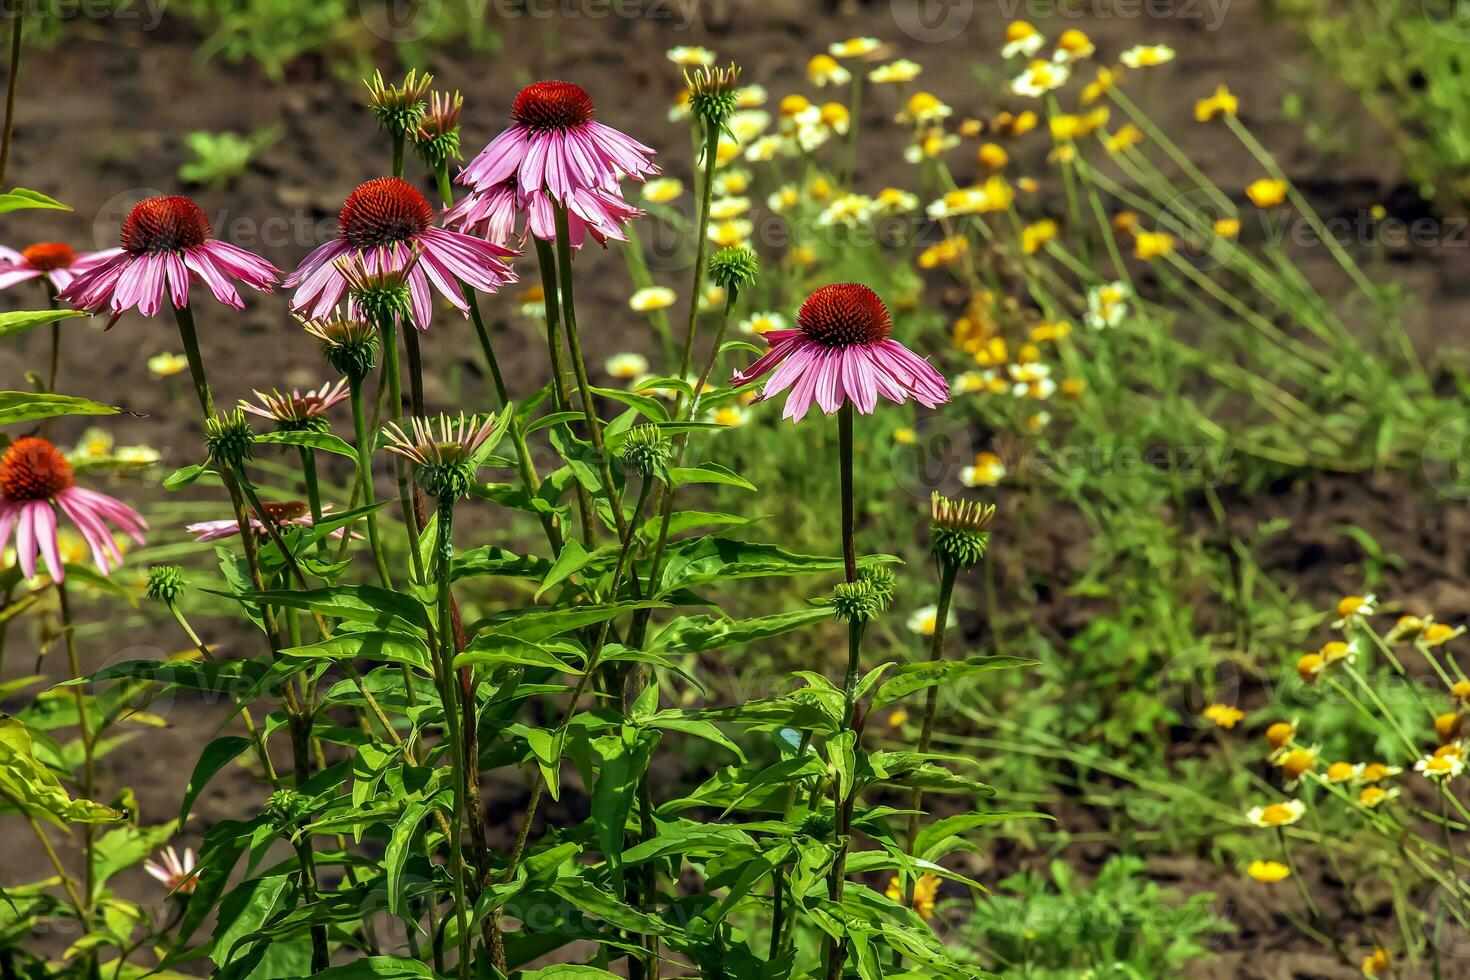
{"type": "Point", "coordinates": [850, 210]}
{"type": "Point", "coordinates": [767, 148]}
{"type": "Point", "coordinates": [1039, 78]}
{"type": "Point", "coordinates": [1147, 55]}
{"type": "Point", "coordinates": [749, 124]}
{"type": "Point", "coordinates": [1277, 814]}
{"type": "Point", "coordinates": [1353, 609]}
{"type": "Point", "coordinates": [759, 323]}
{"type": "Point", "coordinates": [662, 190]}
{"type": "Point", "coordinates": [731, 416]}
{"type": "Point", "coordinates": [728, 208]}
{"type": "Point", "coordinates": [1107, 305]}
{"type": "Point", "coordinates": [856, 47]}
{"type": "Point", "coordinates": [750, 97]}
{"type": "Point", "coordinates": [652, 298]}
{"type": "Point", "coordinates": [895, 72]}
{"type": "Point", "coordinates": [987, 471]}
{"type": "Point", "coordinates": [925, 620]}
{"type": "Point", "coordinates": [1440, 767]}
{"type": "Point", "coordinates": [626, 366]}
{"type": "Point", "coordinates": [691, 56]}
{"type": "Point", "coordinates": [1022, 40]}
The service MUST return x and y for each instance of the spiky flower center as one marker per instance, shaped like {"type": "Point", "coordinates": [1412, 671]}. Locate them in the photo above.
{"type": "Point", "coordinates": [844, 314]}
{"type": "Point", "coordinates": [552, 105]}
{"type": "Point", "coordinates": [164, 224]}
{"type": "Point", "coordinates": [48, 256]}
{"type": "Point", "coordinates": [33, 469]}
{"type": "Point", "coordinates": [385, 211]}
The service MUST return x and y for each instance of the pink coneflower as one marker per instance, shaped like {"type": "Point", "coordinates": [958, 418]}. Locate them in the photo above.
{"type": "Point", "coordinates": [177, 875]}
{"type": "Point", "coordinates": [298, 410]}
{"type": "Point", "coordinates": [385, 223]}
{"type": "Point", "coordinates": [56, 261]}
{"type": "Point", "coordinates": [284, 514]}
{"type": "Point", "coordinates": [167, 243]}
{"type": "Point", "coordinates": [554, 153]}
{"type": "Point", "coordinates": [840, 350]}
{"type": "Point", "coordinates": [35, 479]}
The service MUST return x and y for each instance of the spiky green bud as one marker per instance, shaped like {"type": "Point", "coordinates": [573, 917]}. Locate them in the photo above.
{"type": "Point", "coordinates": [166, 583]}
{"type": "Point", "coordinates": [229, 438]}
{"type": "Point", "coordinates": [437, 136]}
{"type": "Point", "coordinates": [398, 107]}
{"type": "Point", "coordinates": [286, 807]}
{"type": "Point", "coordinates": [734, 268]}
{"type": "Point", "coordinates": [646, 450]}
{"type": "Point", "coordinates": [817, 825]}
{"type": "Point", "coordinates": [958, 531]}
{"type": "Point", "coordinates": [713, 94]}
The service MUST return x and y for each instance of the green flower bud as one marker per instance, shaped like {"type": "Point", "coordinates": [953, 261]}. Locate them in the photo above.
{"type": "Point", "coordinates": [817, 825]}
{"type": "Point", "coordinates": [229, 438]}
{"type": "Point", "coordinates": [957, 530]}
{"type": "Point", "coordinates": [437, 137]}
{"type": "Point", "coordinates": [646, 450]}
{"type": "Point", "coordinates": [398, 107]}
{"type": "Point", "coordinates": [712, 94]}
{"type": "Point", "coordinates": [166, 583]}
{"type": "Point", "coordinates": [349, 345]}
{"type": "Point", "coordinates": [732, 269]}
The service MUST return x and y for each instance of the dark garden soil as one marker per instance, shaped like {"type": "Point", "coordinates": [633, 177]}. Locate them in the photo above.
{"type": "Point", "coordinates": [101, 124]}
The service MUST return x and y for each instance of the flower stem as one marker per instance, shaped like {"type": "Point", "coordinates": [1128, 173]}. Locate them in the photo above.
{"type": "Point", "coordinates": [447, 692]}
{"type": "Point", "coordinates": [17, 19]}
{"type": "Point", "coordinates": [701, 243]}
{"type": "Point", "coordinates": [88, 740]}
{"type": "Point", "coordinates": [546, 259]}
{"type": "Point", "coordinates": [393, 382]}
{"type": "Point", "coordinates": [931, 702]}
{"type": "Point", "coordinates": [579, 367]}
{"type": "Point", "coordinates": [190, 339]}
{"type": "Point", "coordinates": [837, 950]}
{"type": "Point", "coordinates": [365, 484]}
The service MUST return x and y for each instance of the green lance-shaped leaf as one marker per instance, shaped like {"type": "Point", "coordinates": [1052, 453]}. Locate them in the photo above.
{"type": "Point", "coordinates": [28, 786]}
{"type": "Point", "coordinates": [20, 321]}
{"type": "Point", "coordinates": [696, 634]}
{"type": "Point", "coordinates": [216, 755]}
{"type": "Point", "coordinates": [307, 439]}
{"type": "Point", "coordinates": [22, 199]}
{"type": "Point", "coordinates": [909, 678]}
{"type": "Point", "coordinates": [28, 406]}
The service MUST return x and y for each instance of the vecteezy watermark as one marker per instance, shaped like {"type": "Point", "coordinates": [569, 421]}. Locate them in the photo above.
{"type": "Point", "coordinates": [405, 21]}
{"type": "Point", "coordinates": [148, 14]}
{"type": "Point", "coordinates": [1450, 19]}
{"type": "Point", "coordinates": [1210, 14]}
{"type": "Point", "coordinates": [932, 21]}
{"type": "Point", "coordinates": [1445, 458]}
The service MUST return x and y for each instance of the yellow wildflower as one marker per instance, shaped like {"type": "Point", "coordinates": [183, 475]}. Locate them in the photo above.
{"type": "Point", "coordinates": [1221, 103]}
{"type": "Point", "coordinates": [1268, 872]}
{"type": "Point", "coordinates": [1224, 715]}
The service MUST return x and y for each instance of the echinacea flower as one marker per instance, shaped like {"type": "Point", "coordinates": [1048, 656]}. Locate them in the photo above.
{"type": "Point", "coordinates": [166, 243]}
{"type": "Point", "coordinates": [1268, 872]}
{"type": "Point", "coordinates": [283, 514]}
{"type": "Point", "coordinates": [1277, 814]}
{"type": "Point", "coordinates": [445, 449]}
{"type": "Point", "coordinates": [36, 481]}
{"type": "Point", "coordinates": [841, 351]}
{"type": "Point", "coordinates": [298, 410]}
{"type": "Point", "coordinates": [177, 874]}
{"type": "Point", "coordinates": [555, 154]}
{"type": "Point", "coordinates": [55, 261]}
{"type": "Point", "coordinates": [386, 224]}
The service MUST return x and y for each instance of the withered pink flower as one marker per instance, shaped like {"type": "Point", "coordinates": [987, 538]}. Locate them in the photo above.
{"type": "Point", "coordinates": [176, 874]}
{"type": "Point", "coordinates": [166, 244]}
{"type": "Point", "coordinates": [284, 514]}
{"type": "Point", "coordinates": [298, 410]}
